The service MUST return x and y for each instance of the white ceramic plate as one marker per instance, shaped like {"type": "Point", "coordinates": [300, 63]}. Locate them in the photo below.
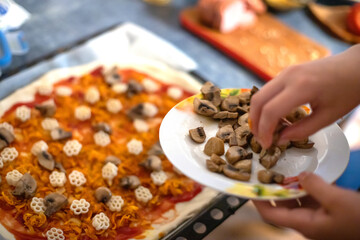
{"type": "Point", "coordinates": [328, 158]}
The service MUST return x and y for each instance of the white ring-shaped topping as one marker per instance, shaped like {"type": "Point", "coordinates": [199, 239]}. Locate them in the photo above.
{"type": "Point", "coordinates": [115, 203]}
{"type": "Point", "coordinates": [141, 125]}
{"type": "Point", "coordinates": [150, 110]}
{"type": "Point", "coordinates": [143, 194]}
{"type": "Point", "coordinates": [1, 163]}
{"type": "Point", "coordinates": [72, 148]}
{"type": "Point", "coordinates": [92, 95]}
{"type": "Point", "coordinates": [49, 124]}
{"type": "Point", "coordinates": [150, 86]}
{"type": "Point", "coordinates": [175, 93]}
{"type": "Point", "coordinates": [37, 205]}
{"type": "Point", "coordinates": [109, 171]}
{"type": "Point", "coordinates": [9, 154]}
{"type": "Point", "coordinates": [45, 89]}
{"type": "Point", "coordinates": [77, 178]}
{"type": "Point", "coordinates": [119, 88]}
{"type": "Point", "coordinates": [100, 221]}
{"type": "Point", "coordinates": [82, 113]}
{"type": "Point", "coordinates": [13, 177]}
{"type": "Point", "coordinates": [63, 91]}
{"type": "Point", "coordinates": [38, 147]}
{"type": "Point", "coordinates": [158, 177]}
{"type": "Point", "coordinates": [23, 113]}
{"type": "Point", "coordinates": [102, 138]}
{"type": "Point", "coordinates": [7, 126]}
{"type": "Point", "coordinates": [57, 179]}
{"type": "Point", "coordinates": [134, 146]}
{"type": "Point", "coordinates": [80, 206]}
{"type": "Point", "coordinates": [113, 105]}
{"type": "Point", "coordinates": [55, 234]}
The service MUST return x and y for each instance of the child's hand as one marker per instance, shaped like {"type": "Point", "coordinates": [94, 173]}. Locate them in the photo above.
{"type": "Point", "coordinates": [331, 86]}
{"type": "Point", "coordinates": [337, 217]}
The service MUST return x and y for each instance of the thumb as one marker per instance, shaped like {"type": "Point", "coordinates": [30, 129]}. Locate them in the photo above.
{"type": "Point", "coordinates": [323, 192]}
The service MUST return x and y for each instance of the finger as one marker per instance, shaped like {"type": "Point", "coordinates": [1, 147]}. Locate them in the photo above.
{"type": "Point", "coordinates": [298, 218]}
{"type": "Point", "coordinates": [306, 127]}
{"type": "Point", "coordinates": [326, 194]}
{"type": "Point", "coordinates": [272, 111]}
{"type": "Point", "coordinates": [259, 99]}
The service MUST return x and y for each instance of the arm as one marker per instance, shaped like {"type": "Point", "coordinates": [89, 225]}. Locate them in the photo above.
{"type": "Point", "coordinates": [331, 86]}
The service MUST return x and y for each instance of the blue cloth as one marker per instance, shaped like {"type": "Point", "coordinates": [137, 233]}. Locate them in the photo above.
{"type": "Point", "coordinates": [351, 176]}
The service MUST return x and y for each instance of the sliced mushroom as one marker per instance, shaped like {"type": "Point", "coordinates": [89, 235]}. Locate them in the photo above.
{"type": "Point", "coordinates": [152, 163]}
{"type": "Point", "coordinates": [236, 153]}
{"type": "Point", "coordinates": [224, 122]}
{"type": "Point", "coordinates": [266, 176]}
{"type": "Point", "coordinates": [60, 167]}
{"type": "Point", "coordinates": [130, 182]}
{"type": "Point", "coordinates": [103, 194]}
{"type": "Point", "coordinates": [112, 76]}
{"type": "Point", "coordinates": [234, 173]}
{"type": "Point", "coordinates": [244, 98]}
{"type": "Point", "coordinates": [204, 107]}
{"type": "Point", "coordinates": [214, 145]}
{"type": "Point", "coordinates": [268, 158]}
{"type": "Point", "coordinates": [113, 159]}
{"type": "Point", "coordinates": [47, 108]}
{"type": "Point", "coordinates": [2, 144]}
{"type": "Point", "coordinates": [243, 119]}
{"type": "Point", "coordinates": [283, 123]}
{"type": "Point", "coordinates": [217, 159]}
{"type": "Point", "coordinates": [134, 88]}
{"type": "Point", "coordinates": [102, 126]}
{"type": "Point", "coordinates": [242, 135]}
{"type": "Point", "coordinates": [211, 93]}
{"type": "Point", "coordinates": [46, 160]}
{"type": "Point", "coordinates": [243, 165]}
{"type": "Point", "coordinates": [296, 115]}
{"type": "Point", "coordinates": [60, 134]}
{"type": "Point", "coordinates": [54, 202]}
{"type": "Point", "coordinates": [197, 134]}
{"type": "Point", "coordinates": [230, 103]}
{"type": "Point", "coordinates": [242, 110]}
{"type": "Point", "coordinates": [7, 136]}
{"type": "Point", "coordinates": [255, 145]}
{"type": "Point", "coordinates": [233, 140]}
{"type": "Point", "coordinates": [25, 187]}
{"type": "Point", "coordinates": [156, 150]}
{"type": "Point", "coordinates": [253, 91]}
{"type": "Point", "coordinates": [213, 167]}
{"type": "Point", "coordinates": [225, 114]}
{"type": "Point", "coordinates": [225, 132]}
{"type": "Point", "coordinates": [283, 147]}
{"type": "Point", "coordinates": [304, 144]}
{"type": "Point", "coordinates": [136, 112]}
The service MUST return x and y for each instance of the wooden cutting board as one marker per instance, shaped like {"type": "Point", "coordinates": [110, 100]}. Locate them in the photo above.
{"type": "Point", "coordinates": [334, 18]}
{"type": "Point", "coordinates": [266, 48]}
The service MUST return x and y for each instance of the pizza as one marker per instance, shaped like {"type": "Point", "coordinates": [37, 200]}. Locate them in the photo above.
{"type": "Point", "coordinates": [80, 156]}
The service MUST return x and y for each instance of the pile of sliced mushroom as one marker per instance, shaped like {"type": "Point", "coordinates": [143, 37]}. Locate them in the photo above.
{"type": "Point", "coordinates": [232, 113]}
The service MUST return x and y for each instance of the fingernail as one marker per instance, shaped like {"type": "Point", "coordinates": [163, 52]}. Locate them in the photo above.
{"type": "Point", "coordinates": [303, 175]}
